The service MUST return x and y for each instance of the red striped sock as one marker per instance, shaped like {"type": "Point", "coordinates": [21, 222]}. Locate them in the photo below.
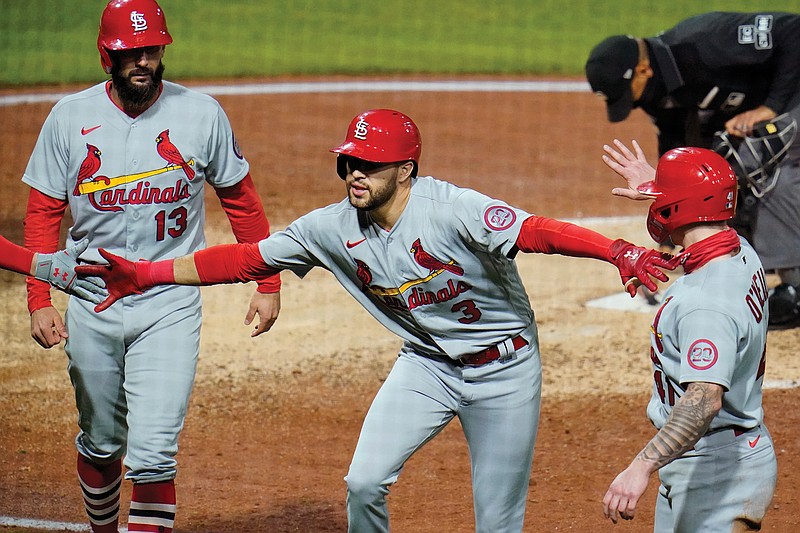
{"type": "Point", "coordinates": [152, 507]}
{"type": "Point", "coordinates": [101, 485]}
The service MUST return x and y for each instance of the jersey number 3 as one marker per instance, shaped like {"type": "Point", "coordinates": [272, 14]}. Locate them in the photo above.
{"type": "Point", "coordinates": [177, 221]}
{"type": "Point", "coordinates": [468, 309]}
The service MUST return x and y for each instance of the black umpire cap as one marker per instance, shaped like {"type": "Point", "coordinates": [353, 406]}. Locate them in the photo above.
{"type": "Point", "coordinates": [609, 70]}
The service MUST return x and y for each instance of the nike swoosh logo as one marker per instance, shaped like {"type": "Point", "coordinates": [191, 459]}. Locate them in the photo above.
{"type": "Point", "coordinates": [354, 244]}
{"type": "Point", "coordinates": [753, 442]}
{"type": "Point", "coordinates": [84, 131]}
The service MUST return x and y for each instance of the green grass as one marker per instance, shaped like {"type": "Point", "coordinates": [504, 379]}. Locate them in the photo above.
{"type": "Point", "coordinates": [53, 41]}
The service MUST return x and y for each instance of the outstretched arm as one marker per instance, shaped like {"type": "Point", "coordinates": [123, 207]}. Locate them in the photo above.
{"type": "Point", "coordinates": [631, 165]}
{"type": "Point", "coordinates": [636, 265]}
{"type": "Point", "coordinates": [688, 421]}
{"type": "Point", "coordinates": [16, 258]}
{"type": "Point", "coordinates": [184, 271]}
{"type": "Point", "coordinates": [225, 263]}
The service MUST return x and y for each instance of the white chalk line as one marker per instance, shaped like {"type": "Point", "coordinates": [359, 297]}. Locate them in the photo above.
{"type": "Point", "coordinates": [538, 86]}
{"type": "Point", "coordinates": [48, 525]}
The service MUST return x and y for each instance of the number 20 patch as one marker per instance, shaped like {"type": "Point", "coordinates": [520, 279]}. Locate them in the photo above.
{"type": "Point", "coordinates": [499, 217]}
{"type": "Point", "coordinates": [702, 354]}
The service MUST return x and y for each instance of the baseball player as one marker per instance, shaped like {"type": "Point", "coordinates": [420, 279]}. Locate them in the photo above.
{"type": "Point", "coordinates": [433, 263]}
{"type": "Point", "coordinates": [712, 72]}
{"type": "Point", "coordinates": [714, 455]}
{"type": "Point", "coordinates": [131, 157]}
{"type": "Point", "coordinates": [58, 269]}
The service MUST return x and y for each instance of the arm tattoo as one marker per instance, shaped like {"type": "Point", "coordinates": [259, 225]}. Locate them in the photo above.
{"type": "Point", "coordinates": [688, 421]}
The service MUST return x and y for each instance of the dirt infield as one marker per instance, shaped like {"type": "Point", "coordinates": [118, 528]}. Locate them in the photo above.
{"type": "Point", "coordinates": [274, 420]}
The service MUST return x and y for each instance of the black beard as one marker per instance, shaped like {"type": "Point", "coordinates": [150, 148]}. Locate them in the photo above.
{"type": "Point", "coordinates": [379, 197]}
{"type": "Point", "coordinates": [136, 97]}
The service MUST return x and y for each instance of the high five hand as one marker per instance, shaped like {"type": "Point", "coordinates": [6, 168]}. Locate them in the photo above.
{"type": "Point", "coordinates": [631, 166]}
{"type": "Point", "coordinates": [122, 277]}
{"type": "Point", "coordinates": [638, 265]}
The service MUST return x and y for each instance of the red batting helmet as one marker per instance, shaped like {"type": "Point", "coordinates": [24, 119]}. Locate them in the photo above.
{"type": "Point", "coordinates": [127, 24]}
{"type": "Point", "coordinates": [691, 185]}
{"type": "Point", "coordinates": [382, 136]}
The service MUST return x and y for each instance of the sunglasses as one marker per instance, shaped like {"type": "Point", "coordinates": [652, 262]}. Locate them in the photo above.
{"type": "Point", "coordinates": [346, 164]}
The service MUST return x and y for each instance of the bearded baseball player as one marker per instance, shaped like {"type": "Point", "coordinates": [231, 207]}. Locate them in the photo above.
{"type": "Point", "coordinates": [57, 269]}
{"type": "Point", "coordinates": [433, 263]}
{"type": "Point", "coordinates": [714, 455]}
{"type": "Point", "coordinates": [131, 157]}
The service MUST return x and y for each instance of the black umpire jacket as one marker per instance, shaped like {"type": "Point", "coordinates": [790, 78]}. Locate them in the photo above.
{"type": "Point", "coordinates": [713, 66]}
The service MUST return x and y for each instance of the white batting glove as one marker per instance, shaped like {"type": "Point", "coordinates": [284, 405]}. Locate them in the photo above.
{"type": "Point", "coordinates": [58, 269]}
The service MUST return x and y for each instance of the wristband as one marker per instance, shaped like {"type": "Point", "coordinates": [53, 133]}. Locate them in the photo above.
{"type": "Point", "coordinates": [269, 285]}
{"type": "Point", "coordinates": [157, 273]}
{"type": "Point", "coordinates": [38, 294]}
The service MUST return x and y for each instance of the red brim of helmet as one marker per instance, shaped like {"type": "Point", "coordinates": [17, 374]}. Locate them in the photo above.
{"type": "Point", "coordinates": [354, 150]}
{"type": "Point", "coordinates": [649, 188]}
{"type": "Point", "coordinates": [344, 148]}
{"type": "Point", "coordinates": [138, 41]}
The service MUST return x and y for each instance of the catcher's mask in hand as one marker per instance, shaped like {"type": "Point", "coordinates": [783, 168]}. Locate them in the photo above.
{"type": "Point", "coordinates": [755, 158]}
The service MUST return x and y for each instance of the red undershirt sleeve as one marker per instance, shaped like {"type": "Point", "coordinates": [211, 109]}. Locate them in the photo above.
{"type": "Point", "coordinates": [231, 263]}
{"type": "Point", "coordinates": [42, 229]}
{"type": "Point", "coordinates": [549, 236]}
{"type": "Point", "coordinates": [249, 223]}
{"type": "Point", "coordinates": [14, 257]}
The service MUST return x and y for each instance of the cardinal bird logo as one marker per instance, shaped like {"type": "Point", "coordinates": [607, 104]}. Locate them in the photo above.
{"type": "Point", "coordinates": [363, 273]}
{"type": "Point", "coordinates": [90, 165]}
{"type": "Point", "coordinates": [171, 154]}
{"type": "Point", "coordinates": [426, 260]}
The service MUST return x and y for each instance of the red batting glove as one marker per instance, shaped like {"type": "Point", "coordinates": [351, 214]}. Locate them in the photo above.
{"type": "Point", "coordinates": [638, 265]}
{"type": "Point", "coordinates": [122, 277]}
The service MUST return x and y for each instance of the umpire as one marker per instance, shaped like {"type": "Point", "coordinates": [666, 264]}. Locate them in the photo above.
{"type": "Point", "coordinates": [716, 72]}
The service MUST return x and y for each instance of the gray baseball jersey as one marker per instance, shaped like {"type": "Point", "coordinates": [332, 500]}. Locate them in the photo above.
{"type": "Point", "coordinates": [443, 281]}
{"type": "Point", "coordinates": [441, 278]}
{"type": "Point", "coordinates": [712, 327]}
{"type": "Point", "coordinates": [135, 187]}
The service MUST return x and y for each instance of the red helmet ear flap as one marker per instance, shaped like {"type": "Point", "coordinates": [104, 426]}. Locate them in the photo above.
{"type": "Point", "coordinates": [105, 59]}
{"type": "Point", "coordinates": [658, 223]}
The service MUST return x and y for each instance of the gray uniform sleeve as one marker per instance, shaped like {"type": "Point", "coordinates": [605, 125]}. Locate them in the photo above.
{"type": "Point", "coordinates": [227, 166]}
{"type": "Point", "coordinates": [709, 347]}
{"type": "Point", "coordinates": [290, 249]}
{"type": "Point", "coordinates": [487, 224]}
{"type": "Point", "coordinates": [48, 166]}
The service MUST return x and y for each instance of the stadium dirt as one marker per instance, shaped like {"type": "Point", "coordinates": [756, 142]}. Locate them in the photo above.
{"type": "Point", "coordinates": [274, 420]}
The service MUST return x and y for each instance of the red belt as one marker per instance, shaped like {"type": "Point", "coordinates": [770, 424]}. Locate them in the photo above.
{"type": "Point", "coordinates": [490, 354]}
{"type": "Point", "coordinates": [737, 430]}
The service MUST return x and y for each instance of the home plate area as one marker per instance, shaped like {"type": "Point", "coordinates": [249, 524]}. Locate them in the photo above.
{"type": "Point", "coordinates": [622, 301]}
